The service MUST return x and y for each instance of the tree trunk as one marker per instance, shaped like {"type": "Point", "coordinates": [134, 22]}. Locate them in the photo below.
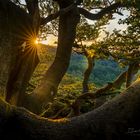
{"type": "Point", "coordinates": [24, 67]}
{"type": "Point", "coordinates": [117, 119]}
{"type": "Point", "coordinates": [87, 73]}
{"type": "Point", "coordinates": [16, 62]}
{"type": "Point", "coordinates": [8, 45]}
{"type": "Point", "coordinates": [27, 60]}
{"type": "Point", "coordinates": [6, 57]}
{"type": "Point", "coordinates": [67, 30]}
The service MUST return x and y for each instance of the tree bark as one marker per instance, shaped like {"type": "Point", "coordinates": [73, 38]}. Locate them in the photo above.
{"type": "Point", "coordinates": [87, 73]}
{"type": "Point", "coordinates": [9, 40]}
{"type": "Point", "coordinates": [6, 56]}
{"type": "Point", "coordinates": [67, 30]}
{"type": "Point", "coordinates": [16, 62]}
{"type": "Point", "coordinates": [27, 60]}
{"type": "Point", "coordinates": [20, 76]}
{"type": "Point", "coordinates": [99, 93]}
{"type": "Point", "coordinates": [117, 119]}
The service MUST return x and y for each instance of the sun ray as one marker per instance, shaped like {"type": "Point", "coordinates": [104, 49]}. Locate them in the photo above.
{"type": "Point", "coordinates": [36, 41]}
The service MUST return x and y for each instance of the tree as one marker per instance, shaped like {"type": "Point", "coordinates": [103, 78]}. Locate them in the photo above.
{"type": "Point", "coordinates": [67, 30]}
{"type": "Point", "coordinates": [11, 45]}
{"type": "Point", "coordinates": [124, 48]}
{"type": "Point", "coordinates": [32, 21]}
{"type": "Point", "coordinates": [91, 33]}
{"type": "Point", "coordinates": [112, 120]}
{"type": "Point", "coordinates": [54, 75]}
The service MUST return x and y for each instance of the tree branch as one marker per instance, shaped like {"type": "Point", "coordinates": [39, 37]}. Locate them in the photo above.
{"type": "Point", "coordinates": [55, 15]}
{"type": "Point", "coordinates": [100, 14]}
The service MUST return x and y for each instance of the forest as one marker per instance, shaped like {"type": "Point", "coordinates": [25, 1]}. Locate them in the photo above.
{"type": "Point", "coordinates": [63, 75]}
{"type": "Point", "coordinates": [104, 71]}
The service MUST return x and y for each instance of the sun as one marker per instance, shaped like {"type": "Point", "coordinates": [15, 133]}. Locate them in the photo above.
{"type": "Point", "coordinates": [36, 41]}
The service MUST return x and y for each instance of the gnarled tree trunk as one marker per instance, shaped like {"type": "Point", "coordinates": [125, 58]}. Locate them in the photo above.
{"type": "Point", "coordinates": [8, 44]}
{"type": "Point", "coordinates": [20, 75]}
{"type": "Point", "coordinates": [7, 55]}
{"type": "Point", "coordinates": [27, 59]}
{"type": "Point", "coordinates": [16, 62]}
{"type": "Point", "coordinates": [117, 119]}
{"type": "Point", "coordinates": [87, 73]}
{"type": "Point", "coordinates": [67, 30]}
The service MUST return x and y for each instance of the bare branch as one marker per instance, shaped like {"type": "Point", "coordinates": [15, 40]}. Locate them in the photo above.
{"type": "Point", "coordinates": [100, 14]}
{"type": "Point", "coordinates": [54, 16]}
{"type": "Point", "coordinates": [82, 11]}
{"type": "Point", "coordinates": [100, 92]}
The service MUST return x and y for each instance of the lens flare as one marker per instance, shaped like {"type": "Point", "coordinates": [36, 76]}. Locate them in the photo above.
{"type": "Point", "coordinates": [36, 41]}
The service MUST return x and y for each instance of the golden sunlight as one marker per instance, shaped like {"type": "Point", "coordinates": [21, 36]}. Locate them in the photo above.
{"type": "Point", "coordinates": [50, 40]}
{"type": "Point", "coordinates": [36, 41]}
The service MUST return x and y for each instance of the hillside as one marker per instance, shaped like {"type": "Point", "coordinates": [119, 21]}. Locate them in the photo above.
{"type": "Point", "coordinates": [104, 71]}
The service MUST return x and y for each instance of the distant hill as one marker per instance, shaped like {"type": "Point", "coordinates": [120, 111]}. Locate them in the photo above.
{"type": "Point", "coordinates": [104, 71]}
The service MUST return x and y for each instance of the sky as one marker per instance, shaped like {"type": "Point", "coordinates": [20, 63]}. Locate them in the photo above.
{"type": "Point", "coordinates": [113, 24]}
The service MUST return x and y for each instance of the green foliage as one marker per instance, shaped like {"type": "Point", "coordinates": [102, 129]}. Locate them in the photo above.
{"type": "Point", "coordinates": [71, 85]}
{"type": "Point", "coordinates": [123, 46]}
{"type": "Point", "coordinates": [88, 32]}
